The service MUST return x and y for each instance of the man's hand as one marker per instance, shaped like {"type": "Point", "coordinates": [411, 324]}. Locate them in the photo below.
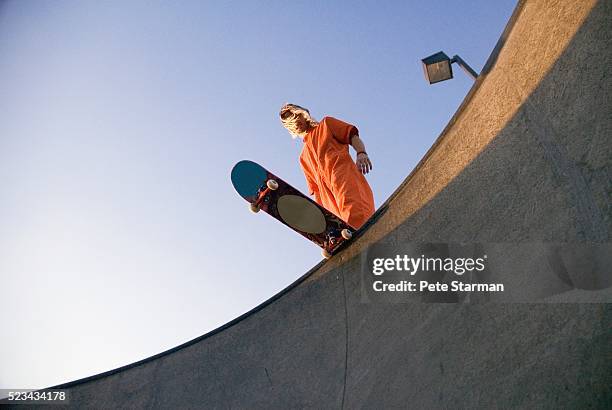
{"type": "Point", "coordinates": [363, 163]}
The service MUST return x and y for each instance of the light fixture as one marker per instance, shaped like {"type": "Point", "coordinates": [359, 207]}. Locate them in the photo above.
{"type": "Point", "coordinates": [437, 67]}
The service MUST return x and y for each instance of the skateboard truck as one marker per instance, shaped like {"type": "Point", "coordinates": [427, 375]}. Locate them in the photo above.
{"type": "Point", "coordinates": [333, 241]}
{"type": "Point", "coordinates": [262, 195]}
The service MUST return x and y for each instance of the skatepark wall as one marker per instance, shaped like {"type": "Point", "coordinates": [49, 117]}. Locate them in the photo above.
{"type": "Point", "coordinates": [526, 158]}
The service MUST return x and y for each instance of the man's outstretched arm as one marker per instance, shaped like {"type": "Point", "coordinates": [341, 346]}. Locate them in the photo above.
{"type": "Point", "coordinates": [363, 161]}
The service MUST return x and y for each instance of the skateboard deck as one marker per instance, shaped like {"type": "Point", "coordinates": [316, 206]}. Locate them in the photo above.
{"type": "Point", "coordinates": [269, 193]}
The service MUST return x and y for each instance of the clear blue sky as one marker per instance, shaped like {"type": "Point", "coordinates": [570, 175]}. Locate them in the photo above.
{"type": "Point", "coordinates": [120, 233]}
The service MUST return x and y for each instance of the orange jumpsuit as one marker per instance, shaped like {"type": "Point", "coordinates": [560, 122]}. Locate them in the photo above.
{"type": "Point", "coordinates": [331, 173]}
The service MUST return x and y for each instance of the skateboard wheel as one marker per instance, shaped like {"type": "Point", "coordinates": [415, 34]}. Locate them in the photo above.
{"type": "Point", "coordinates": [326, 254]}
{"type": "Point", "coordinates": [254, 208]}
{"type": "Point", "coordinates": [272, 184]}
{"type": "Point", "coordinates": [347, 234]}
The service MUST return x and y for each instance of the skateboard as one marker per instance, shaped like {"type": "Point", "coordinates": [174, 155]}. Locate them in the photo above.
{"type": "Point", "coordinates": [267, 192]}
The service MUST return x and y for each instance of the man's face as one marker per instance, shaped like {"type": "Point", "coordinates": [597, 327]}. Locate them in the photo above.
{"type": "Point", "coordinates": [301, 123]}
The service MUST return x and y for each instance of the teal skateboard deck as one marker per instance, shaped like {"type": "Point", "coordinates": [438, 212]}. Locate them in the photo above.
{"type": "Point", "coordinates": [266, 192]}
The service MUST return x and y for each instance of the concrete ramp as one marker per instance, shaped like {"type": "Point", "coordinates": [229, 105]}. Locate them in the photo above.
{"type": "Point", "coordinates": [525, 158]}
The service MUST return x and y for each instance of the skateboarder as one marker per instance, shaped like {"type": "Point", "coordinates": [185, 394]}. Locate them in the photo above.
{"type": "Point", "coordinates": [337, 183]}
